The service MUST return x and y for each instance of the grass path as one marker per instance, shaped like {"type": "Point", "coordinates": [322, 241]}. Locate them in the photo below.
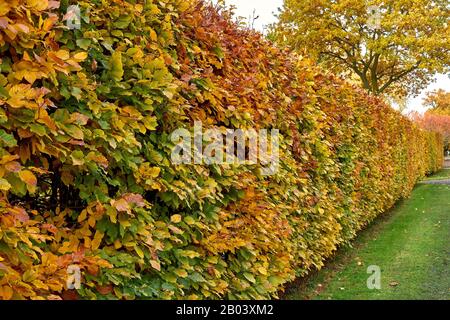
{"type": "Point", "coordinates": [444, 174]}
{"type": "Point", "coordinates": [411, 246]}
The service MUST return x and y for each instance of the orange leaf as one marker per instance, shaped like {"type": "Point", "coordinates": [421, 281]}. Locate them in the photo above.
{"type": "Point", "coordinates": [24, 152]}
{"type": "Point", "coordinates": [13, 166]}
{"type": "Point", "coordinates": [6, 292]}
{"type": "Point", "coordinates": [28, 177]}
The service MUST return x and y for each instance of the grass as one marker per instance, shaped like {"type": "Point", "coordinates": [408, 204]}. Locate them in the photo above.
{"type": "Point", "coordinates": [441, 175]}
{"type": "Point", "coordinates": [409, 244]}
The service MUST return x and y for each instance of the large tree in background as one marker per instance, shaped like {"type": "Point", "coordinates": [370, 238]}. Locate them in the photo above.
{"type": "Point", "coordinates": [438, 102]}
{"type": "Point", "coordinates": [394, 47]}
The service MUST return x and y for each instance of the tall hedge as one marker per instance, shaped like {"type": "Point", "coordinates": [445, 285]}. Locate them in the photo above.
{"type": "Point", "coordinates": [85, 172]}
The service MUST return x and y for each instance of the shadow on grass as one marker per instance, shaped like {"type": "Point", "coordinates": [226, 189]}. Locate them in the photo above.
{"type": "Point", "coordinates": [306, 288]}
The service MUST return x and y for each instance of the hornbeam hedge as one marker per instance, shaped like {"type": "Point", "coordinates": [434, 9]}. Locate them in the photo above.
{"type": "Point", "coordinates": [85, 172]}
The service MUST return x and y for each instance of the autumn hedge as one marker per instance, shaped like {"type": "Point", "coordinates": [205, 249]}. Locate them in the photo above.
{"type": "Point", "coordinates": [85, 172]}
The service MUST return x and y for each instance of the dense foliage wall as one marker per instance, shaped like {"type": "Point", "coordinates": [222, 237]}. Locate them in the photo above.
{"type": "Point", "coordinates": [85, 171]}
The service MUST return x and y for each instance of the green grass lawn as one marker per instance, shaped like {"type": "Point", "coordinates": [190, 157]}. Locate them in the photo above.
{"type": "Point", "coordinates": [441, 175]}
{"type": "Point", "coordinates": [411, 246]}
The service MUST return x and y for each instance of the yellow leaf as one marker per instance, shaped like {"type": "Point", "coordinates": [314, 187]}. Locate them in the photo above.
{"type": "Point", "coordinates": [262, 270]}
{"type": "Point", "coordinates": [181, 273]}
{"type": "Point", "coordinates": [112, 214]}
{"type": "Point", "coordinates": [139, 252]}
{"type": "Point", "coordinates": [38, 4]}
{"type": "Point", "coordinates": [63, 54]}
{"type": "Point", "coordinates": [82, 216]}
{"type": "Point", "coordinates": [4, 184]}
{"type": "Point", "coordinates": [124, 221]}
{"type": "Point", "coordinates": [87, 242]}
{"type": "Point", "coordinates": [29, 276]}
{"type": "Point", "coordinates": [92, 221]}
{"type": "Point", "coordinates": [80, 56]}
{"type": "Point", "coordinates": [153, 35]}
{"type": "Point", "coordinates": [176, 218]}
{"type": "Point", "coordinates": [116, 67]}
{"type": "Point", "coordinates": [97, 240]}
{"type": "Point", "coordinates": [117, 244]}
{"type": "Point", "coordinates": [43, 117]}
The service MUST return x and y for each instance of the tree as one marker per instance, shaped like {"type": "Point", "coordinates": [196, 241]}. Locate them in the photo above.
{"type": "Point", "coordinates": [439, 102]}
{"type": "Point", "coordinates": [394, 47]}
{"type": "Point", "coordinates": [434, 122]}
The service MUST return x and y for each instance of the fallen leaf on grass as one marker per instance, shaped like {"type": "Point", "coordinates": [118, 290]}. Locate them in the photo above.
{"type": "Point", "coordinates": [394, 284]}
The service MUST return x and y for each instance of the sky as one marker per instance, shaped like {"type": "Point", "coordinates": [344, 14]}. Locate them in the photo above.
{"type": "Point", "coordinates": [266, 10]}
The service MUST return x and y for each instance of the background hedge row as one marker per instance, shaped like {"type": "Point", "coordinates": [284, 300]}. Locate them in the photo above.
{"type": "Point", "coordinates": [85, 170]}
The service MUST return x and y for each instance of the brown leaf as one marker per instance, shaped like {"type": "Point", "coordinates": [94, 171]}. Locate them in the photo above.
{"type": "Point", "coordinates": [135, 199]}
{"type": "Point", "coordinates": [70, 295]}
{"type": "Point", "coordinates": [155, 264]}
{"type": "Point", "coordinates": [393, 283]}
{"type": "Point", "coordinates": [105, 289]}
{"type": "Point", "coordinates": [121, 205]}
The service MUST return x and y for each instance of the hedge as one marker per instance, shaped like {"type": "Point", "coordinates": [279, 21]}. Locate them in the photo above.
{"type": "Point", "coordinates": [86, 175]}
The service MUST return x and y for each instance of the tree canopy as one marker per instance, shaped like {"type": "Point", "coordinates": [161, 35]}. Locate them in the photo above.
{"type": "Point", "coordinates": [439, 102]}
{"type": "Point", "coordinates": [394, 47]}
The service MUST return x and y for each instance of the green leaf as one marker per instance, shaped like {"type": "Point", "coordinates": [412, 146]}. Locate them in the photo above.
{"type": "Point", "coordinates": [74, 131]}
{"type": "Point", "coordinates": [249, 277]}
{"type": "Point", "coordinates": [151, 123]}
{"type": "Point", "coordinates": [4, 93]}
{"type": "Point", "coordinates": [18, 186]}
{"type": "Point", "coordinates": [189, 220]}
{"type": "Point", "coordinates": [3, 116]}
{"type": "Point", "coordinates": [38, 129]}
{"type": "Point", "coordinates": [123, 22]}
{"type": "Point", "coordinates": [77, 158]}
{"type": "Point", "coordinates": [7, 139]}
{"type": "Point", "coordinates": [84, 43]}
{"type": "Point", "coordinates": [197, 277]}
{"type": "Point", "coordinates": [76, 92]}
{"type": "Point", "coordinates": [275, 280]}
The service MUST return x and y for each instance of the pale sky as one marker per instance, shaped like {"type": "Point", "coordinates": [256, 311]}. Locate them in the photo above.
{"type": "Point", "coordinates": [266, 9]}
